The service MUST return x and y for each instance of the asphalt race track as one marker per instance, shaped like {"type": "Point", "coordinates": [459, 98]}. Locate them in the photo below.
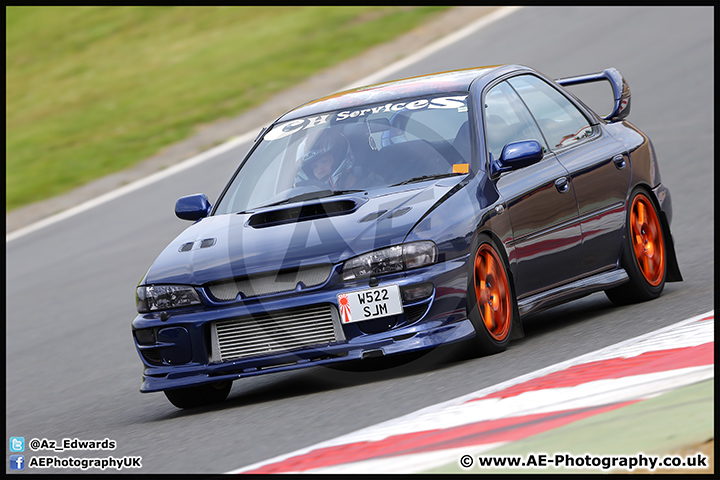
{"type": "Point", "coordinates": [73, 372]}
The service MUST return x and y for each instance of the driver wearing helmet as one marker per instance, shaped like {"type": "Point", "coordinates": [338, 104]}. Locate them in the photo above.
{"type": "Point", "coordinates": [330, 163]}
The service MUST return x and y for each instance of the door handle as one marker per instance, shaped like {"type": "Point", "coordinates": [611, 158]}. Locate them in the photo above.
{"type": "Point", "coordinates": [562, 184]}
{"type": "Point", "coordinates": [619, 161]}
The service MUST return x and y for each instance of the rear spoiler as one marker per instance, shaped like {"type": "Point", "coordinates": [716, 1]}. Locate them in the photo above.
{"type": "Point", "coordinates": [620, 88]}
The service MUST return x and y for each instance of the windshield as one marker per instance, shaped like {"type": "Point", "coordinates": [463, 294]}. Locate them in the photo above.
{"type": "Point", "coordinates": [358, 149]}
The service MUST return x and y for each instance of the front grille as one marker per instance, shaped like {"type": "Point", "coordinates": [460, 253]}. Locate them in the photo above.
{"type": "Point", "coordinates": [275, 332]}
{"type": "Point", "coordinates": [270, 282]}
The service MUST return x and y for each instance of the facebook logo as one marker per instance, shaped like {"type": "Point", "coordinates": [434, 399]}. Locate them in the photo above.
{"type": "Point", "coordinates": [17, 462]}
{"type": "Point", "coordinates": [17, 444]}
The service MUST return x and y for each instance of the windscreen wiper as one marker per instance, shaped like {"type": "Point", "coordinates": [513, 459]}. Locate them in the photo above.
{"type": "Point", "coordinates": [427, 177]}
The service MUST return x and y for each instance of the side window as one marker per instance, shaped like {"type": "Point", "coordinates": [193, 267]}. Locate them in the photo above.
{"type": "Point", "coordinates": [507, 120]}
{"type": "Point", "coordinates": [561, 122]}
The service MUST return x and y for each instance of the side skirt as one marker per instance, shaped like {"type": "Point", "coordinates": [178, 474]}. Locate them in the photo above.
{"type": "Point", "coordinates": [571, 291]}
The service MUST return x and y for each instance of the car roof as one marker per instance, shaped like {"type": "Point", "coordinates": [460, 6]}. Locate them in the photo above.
{"type": "Point", "coordinates": [432, 84]}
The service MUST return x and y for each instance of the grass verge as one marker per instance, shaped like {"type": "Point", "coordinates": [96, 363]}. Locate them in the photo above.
{"type": "Point", "coordinates": [93, 90]}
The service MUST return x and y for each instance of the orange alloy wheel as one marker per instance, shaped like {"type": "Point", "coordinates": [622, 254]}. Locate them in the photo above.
{"type": "Point", "coordinates": [647, 240]}
{"type": "Point", "coordinates": [492, 292]}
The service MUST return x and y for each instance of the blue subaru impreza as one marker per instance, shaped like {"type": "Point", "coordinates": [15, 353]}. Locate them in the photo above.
{"type": "Point", "coordinates": [402, 216]}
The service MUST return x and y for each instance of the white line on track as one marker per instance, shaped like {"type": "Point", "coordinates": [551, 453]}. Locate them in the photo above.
{"type": "Point", "coordinates": [131, 187]}
{"type": "Point", "coordinates": [246, 137]}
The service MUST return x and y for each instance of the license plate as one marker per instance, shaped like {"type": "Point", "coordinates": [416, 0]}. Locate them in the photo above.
{"type": "Point", "coordinates": [368, 304]}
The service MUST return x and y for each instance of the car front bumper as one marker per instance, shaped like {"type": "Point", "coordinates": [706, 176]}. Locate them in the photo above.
{"type": "Point", "coordinates": [182, 350]}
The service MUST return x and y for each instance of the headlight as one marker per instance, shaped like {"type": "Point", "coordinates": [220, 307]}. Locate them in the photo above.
{"type": "Point", "coordinates": [389, 260]}
{"type": "Point", "coordinates": [161, 297]}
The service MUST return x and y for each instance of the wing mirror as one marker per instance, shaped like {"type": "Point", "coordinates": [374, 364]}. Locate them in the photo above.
{"type": "Point", "coordinates": [517, 155]}
{"type": "Point", "coordinates": [192, 207]}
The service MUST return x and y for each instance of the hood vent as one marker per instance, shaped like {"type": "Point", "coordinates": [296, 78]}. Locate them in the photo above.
{"type": "Point", "coordinates": [208, 242]}
{"type": "Point", "coordinates": [399, 212]}
{"type": "Point", "coordinates": [302, 212]}
{"type": "Point", "coordinates": [372, 216]}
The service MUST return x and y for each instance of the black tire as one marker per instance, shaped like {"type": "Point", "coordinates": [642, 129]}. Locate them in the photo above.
{"type": "Point", "coordinates": [644, 254]}
{"type": "Point", "coordinates": [194, 397]}
{"type": "Point", "coordinates": [492, 308]}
